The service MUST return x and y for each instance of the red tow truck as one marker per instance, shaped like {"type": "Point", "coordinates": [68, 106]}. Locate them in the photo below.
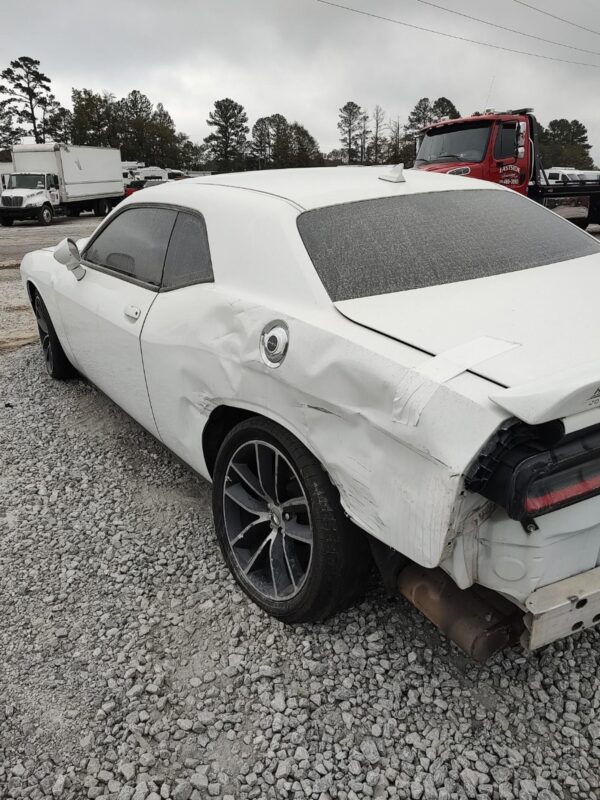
{"type": "Point", "coordinates": [504, 148]}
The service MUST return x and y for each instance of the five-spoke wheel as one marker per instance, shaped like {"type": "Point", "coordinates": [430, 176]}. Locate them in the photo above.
{"type": "Point", "coordinates": [57, 363]}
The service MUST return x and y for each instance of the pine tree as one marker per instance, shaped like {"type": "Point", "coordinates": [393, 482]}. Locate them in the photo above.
{"type": "Point", "coordinates": [376, 145]}
{"type": "Point", "coordinates": [419, 117]}
{"type": "Point", "coordinates": [444, 108]}
{"type": "Point", "coordinates": [227, 144]}
{"type": "Point", "coordinates": [27, 89]}
{"type": "Point", "coordinates": [350, 125]}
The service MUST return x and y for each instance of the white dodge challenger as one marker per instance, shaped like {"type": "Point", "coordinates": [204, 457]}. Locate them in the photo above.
{"type": "Point", "coordinates": [368, 364]}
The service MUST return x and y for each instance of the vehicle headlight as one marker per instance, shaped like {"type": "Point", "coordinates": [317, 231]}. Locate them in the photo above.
{"type": "Point", "coordinates": [459, 171]}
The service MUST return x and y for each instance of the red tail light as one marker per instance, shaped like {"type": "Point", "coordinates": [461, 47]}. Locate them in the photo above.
{"type": "Point", "coordinates": [563, 487]}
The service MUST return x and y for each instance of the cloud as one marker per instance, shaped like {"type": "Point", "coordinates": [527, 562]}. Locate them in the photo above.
{"type": "Point", "coordinates": [305, 59]}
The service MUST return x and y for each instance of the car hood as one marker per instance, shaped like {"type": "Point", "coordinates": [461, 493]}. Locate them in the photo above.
{"type": "Point", "coordinates": [549, 314]}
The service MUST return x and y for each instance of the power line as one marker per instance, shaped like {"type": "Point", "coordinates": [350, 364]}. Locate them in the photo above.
{"type": "Point", "coordinates": [554, 16]}
{"type": "Point", "coordinates": [452, 36]}
{"type": "Point", "coordinates": [510, 30]}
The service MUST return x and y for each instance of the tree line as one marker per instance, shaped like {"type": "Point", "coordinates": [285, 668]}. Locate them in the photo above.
{"type": "Point", "coordinates": [144, 132]}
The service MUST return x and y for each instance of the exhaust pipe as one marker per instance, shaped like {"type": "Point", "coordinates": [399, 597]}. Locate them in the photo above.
{"type": "Point", "coordinates": [478, 620]}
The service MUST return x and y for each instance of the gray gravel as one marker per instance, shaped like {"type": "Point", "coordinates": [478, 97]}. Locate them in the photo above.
{"type": "Point", "coordinates": [132, 668]}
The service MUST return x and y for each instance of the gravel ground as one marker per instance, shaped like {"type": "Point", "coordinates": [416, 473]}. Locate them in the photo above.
{"type": "Point", "coordinates": [133, 668]}
{"type": "Point", "coordinates": [29, 235]}
{"type": "Point", "coordinates": [17, 323]}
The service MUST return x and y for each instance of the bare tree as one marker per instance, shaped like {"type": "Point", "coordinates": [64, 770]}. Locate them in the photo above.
{"type": "Point", "coordinates": [377, 138]}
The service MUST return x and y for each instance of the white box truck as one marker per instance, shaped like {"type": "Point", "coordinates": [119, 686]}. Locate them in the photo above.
{"type": "Point", "coordinates": [60, 179]}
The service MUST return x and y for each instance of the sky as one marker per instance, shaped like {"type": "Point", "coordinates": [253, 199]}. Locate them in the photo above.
{"type": "Point", "coordinates": [305, 59]}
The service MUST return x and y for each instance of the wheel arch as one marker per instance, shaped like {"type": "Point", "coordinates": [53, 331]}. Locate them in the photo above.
{"type": "Point", "coordinates": [225, 417]}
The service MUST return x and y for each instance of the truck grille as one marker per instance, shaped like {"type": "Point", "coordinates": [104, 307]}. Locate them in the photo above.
{"type": "Point", "coordinates": [12, 202]}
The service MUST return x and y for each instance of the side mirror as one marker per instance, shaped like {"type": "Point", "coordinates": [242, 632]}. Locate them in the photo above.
{"type": "Point", "coordinates": [67, 253]}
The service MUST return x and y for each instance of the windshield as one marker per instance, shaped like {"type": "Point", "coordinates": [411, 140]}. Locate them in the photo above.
{"type": "Point", "coordinates": [393, 244]}
{"type": "Point", "coordinates": [462, 142]}
{"type": "Point", "coordinates": [26, 180]}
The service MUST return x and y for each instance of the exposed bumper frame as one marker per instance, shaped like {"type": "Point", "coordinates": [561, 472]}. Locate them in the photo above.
{"type": "Point", "coordinates": [562, 608]}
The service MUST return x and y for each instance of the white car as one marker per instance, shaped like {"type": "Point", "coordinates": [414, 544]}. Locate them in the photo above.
{"type": "Point", "coordinates": [361, 361]}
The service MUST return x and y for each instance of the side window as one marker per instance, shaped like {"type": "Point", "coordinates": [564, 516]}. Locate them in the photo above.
{"type": "Point", "coordinates": [553, 176]}
{"type": "Point", "coordinates": [505, 140]}
{"type": "Point", "coordinates": [135, 243]}
{"type": "Point", "coordinates": [188, 258]}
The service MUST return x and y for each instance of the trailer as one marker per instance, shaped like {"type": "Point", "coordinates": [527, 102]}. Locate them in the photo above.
{"type": "Point", "coordinates": [56, 179]}
{"type": "Point", "coordinates": [504, 148]}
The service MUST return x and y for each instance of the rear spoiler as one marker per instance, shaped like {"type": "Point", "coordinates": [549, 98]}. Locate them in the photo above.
{"type": "Point", "coordinates": [563, 395]}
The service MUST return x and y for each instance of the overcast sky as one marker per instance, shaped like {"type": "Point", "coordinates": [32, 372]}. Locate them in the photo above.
{"type": "Point", "coordinates": [305, 59]}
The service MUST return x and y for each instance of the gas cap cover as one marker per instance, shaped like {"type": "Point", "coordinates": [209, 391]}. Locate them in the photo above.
{"type": "Point", "coordinates": [274, 341]}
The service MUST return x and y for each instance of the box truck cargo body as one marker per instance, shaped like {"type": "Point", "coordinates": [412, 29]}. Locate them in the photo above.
{"type": "Point", "coordinates": [56, 179]}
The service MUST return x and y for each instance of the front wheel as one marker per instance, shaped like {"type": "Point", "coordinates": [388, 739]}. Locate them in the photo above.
{"type": "Point", "coordinates": [6, 222]}
{"type": "Point", "coordinates": [57, 363]}
{"type": "Point", "coordinates": [281, 528]}
{"type": "Point", "coordinates": [45, 215]}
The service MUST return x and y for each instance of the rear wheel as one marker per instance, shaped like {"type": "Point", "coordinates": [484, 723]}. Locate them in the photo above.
{"type": "Point", "coordinates": [581, 223]}
{"type": "Point", "coordinates": [45, 215]}
{"type": "Point", "coordinates": [5, 222]}
{"type": "Point", "coordinates": [281, 528]}
{"type": "Point", "coordinates": [101, 208]}
{"type": "Point", "coordinates": [57, 364]}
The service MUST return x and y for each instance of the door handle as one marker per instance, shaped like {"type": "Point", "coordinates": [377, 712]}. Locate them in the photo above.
{"type": "Point", "coordinates": [132, 312]}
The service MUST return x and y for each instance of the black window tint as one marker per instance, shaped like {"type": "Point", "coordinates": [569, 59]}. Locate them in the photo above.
{"type": "Point", "coordinates": [188, 257]}
{"type": "Point", "coordinates": [409, 241]}
{"type": "Point", "coordinates": [505, 141]}
{"type": "Point", "coordinates": [135, 243]}
{"type": "Point", "coordinates": [553, 176]}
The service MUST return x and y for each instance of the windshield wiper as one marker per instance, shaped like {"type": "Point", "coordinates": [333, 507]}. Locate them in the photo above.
{"type": "Point", "coordinates": [448, 155]}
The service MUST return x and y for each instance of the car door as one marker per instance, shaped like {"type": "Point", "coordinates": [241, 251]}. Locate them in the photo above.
{"type": "Point", "coordinates": [104, 312]}
{"type": "Point", "coordinates": [178, 341]}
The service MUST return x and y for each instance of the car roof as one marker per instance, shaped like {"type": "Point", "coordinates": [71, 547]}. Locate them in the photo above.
{"type": "Point", "coordinates": [314, 187]}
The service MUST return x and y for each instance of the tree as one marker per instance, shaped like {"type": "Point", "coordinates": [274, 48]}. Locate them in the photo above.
{"type": "Point", "coordinates": [27, 89]}
{"type": "Point", "coordinates": [444, 108]}
{"type": "Point", "coordinates": [10, 133]}
{"type": "Point", "coordinates": [135, 121]}
{"type": "Point", "coordinates": [401, 148]}
{"type": "Point", "coordinates": [304, 147]}
{"type": "Point", "coordinates": [55, 122]}
{"type": "Point", "coordinates": [281, 151]}
{"type": "Point", "coordinates": [419, 117]}
{"type": "Point", "coordinates": [377, 138]}
{"type": "Point", "coordinates": [163, 147]}
{"type": "Point", "coordinates": [95, 119]}
{"type": "Point", "coordinates": [350, 125]}
{"type": "Point", "coordinates": [226, 145]}
{"type": "Point", "coordinates": [262, 141]}
{"type": "Point", "coordinates": [565, 143]}
{"type": "Point", "coordinates": [363, 137]}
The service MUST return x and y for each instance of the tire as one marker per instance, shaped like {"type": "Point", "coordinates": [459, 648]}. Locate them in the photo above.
{"type": "Point", "coordinates": [45, 215]}
{"type": "Point", "coordinates": [322, 559]}
{"type": "Point", "coordinates": [101, 208]}
{"type": "Point", "coordinates": [73, 212]}
{"type": "Point", "coordinates": [57, 363]}
{"type": "Point", "coordinates": [581, 223]}
{"type": "Point", "coordinates": [6, 222]}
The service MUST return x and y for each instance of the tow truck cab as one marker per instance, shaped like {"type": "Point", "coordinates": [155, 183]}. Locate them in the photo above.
{"type": "Point", "coordinates": [492, 147]}
{"type": "Point", "coordinates": [503, 148]}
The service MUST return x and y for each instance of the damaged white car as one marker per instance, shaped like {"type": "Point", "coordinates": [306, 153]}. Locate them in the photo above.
{"type": "Point", "coordinates": [360, 360]}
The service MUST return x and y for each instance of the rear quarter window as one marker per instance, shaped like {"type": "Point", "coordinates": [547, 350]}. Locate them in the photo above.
{"type": "Point", "coordinates": [394, 244]}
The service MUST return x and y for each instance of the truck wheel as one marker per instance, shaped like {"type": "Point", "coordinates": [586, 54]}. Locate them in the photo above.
{"type": "Point", "coordinates": [281, 528]}
{"type": "Point", "coordinates": [581, 223]}
{"type": "Point", "coordinates": [5, 222]}
{"type": "Point", "coordinates": [57, 363]}
{"type": "Point", "coordinates": [101, 208]}
{"type": "Point", "coordinates": [45, 215]}
{"type": "Point", "coordinates": [73, 212]}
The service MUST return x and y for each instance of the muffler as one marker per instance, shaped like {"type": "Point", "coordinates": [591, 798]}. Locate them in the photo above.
{"type": "Point", "coordinates": [478, 620]}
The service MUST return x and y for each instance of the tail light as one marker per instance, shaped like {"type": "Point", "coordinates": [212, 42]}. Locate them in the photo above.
{"type": "Point", "coordinates": [532, 470]}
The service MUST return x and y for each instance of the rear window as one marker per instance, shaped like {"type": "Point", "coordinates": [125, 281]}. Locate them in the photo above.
{"type": "Point", "coordinates": [393, 244]}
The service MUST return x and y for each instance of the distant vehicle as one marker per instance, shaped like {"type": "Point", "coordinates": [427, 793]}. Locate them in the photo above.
{"type": "Point", "coordinates": [358, 358]}
{"type": "Point", "coordinates": [504, 148]}
{"type": "Point", "coordinates": [57, 179]}
{"type": "Point", "coordinates": [566, 175]}
{"type": "Point", "coordinates": [134, 186]}
{"type": "Point", "coordinates": [151, 174]}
